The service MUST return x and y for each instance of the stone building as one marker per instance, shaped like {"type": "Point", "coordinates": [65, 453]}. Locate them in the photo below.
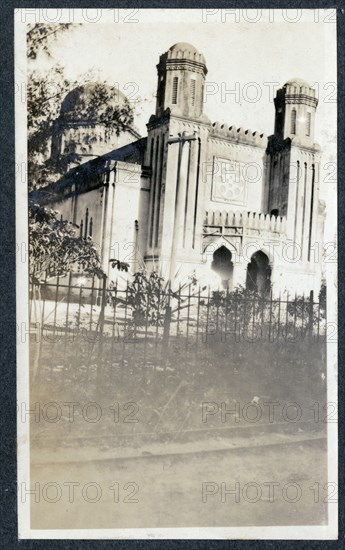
{"type": "Point", "coordinates": [228, 205]}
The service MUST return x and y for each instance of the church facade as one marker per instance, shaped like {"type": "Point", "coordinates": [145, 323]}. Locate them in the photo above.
{"type": "Point", "coordinates": [229, 206]}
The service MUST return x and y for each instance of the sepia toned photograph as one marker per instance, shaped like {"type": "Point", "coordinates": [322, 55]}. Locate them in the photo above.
{"type": "Point", "coordinates": [176, 184]}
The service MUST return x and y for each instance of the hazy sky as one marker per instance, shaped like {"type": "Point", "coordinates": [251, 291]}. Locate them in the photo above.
{"type": "Point", "coordinates": [243, 57]}
{"type": "Point", "coordinates": [247, 58]}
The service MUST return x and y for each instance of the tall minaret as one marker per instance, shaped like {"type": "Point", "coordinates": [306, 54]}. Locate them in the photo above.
{"type": "Point", "coordinates": [294, 164]}
{"type": "Point", "coordinates": [173, 155]}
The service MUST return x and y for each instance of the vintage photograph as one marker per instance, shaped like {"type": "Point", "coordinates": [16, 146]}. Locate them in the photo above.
{"type": "Point", "coordinates": [176, 273]}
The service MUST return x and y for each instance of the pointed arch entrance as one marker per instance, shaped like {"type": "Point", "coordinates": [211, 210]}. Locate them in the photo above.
{"type": "Point", "coordinates": [259, 273]}
{"type": "Point", "coordinates": [223, 266]}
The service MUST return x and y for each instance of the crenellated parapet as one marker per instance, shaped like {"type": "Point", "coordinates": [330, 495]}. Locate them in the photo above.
{"type": "Point", "coordinates": [238, 135]}
{"type": "Point", "coordinates": [297, 91]}
{"type": "Point", "coordinates": [246, 220]}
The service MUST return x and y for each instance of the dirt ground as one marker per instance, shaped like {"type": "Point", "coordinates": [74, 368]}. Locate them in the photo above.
{"type": "Point", "coordinates": [186, 490]}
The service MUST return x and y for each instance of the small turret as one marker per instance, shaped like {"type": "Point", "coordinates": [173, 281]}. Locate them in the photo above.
{"type": "Point", "coordinates": [295, 105]}
{"type": "Point", "coordinates": [181, 77]}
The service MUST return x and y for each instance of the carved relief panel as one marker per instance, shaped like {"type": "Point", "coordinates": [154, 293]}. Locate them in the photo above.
{"type": "Point", "coordinates": [228, 182]}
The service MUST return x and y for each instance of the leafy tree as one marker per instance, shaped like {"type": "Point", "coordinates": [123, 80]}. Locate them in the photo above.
{"type": "Point", "coordinates": [45, 93]}
{"type": "Point", "coordinates": [99, 108]}
{"type": "Point", "coordinates": [147, 297]}
{"type": "Point", "coordinates": [55, 246]}
{"type": "Point", "coordinates": [40, 36]}
{"type": "Point", "coordinates": [252, 312]}
{"type": "Point", "coordinates": [44, 98]}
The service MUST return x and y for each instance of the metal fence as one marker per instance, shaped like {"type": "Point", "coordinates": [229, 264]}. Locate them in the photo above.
{"type": "Point", "coordinates": [132, 330]}
{"type": "Point", "coordinates": [189, 311]}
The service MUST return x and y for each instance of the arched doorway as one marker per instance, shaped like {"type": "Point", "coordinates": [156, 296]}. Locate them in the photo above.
{"type": "Point", "coordinates": [223, 266]}
{"type": "Point", "coordinates": [259, 274]}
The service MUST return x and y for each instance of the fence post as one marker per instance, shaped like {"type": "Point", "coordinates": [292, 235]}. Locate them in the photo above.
{"type": "Point", "coordinates": [167, 320]}
{"type": "Point", "coordinates": [311, 313]}
{"type": "Point", "coordinates": [103, 303]}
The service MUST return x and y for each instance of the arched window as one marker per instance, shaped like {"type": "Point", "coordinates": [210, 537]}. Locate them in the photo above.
{"type": "Point", "coordinates": [223, 266]}
{"type": "Point", "coordinates": [174, 90]}
{"type": "Point", "coordinates": [275, 212]}
{"type": "Point", "coordinates": [293, 122]}
{"type": "Point", "coordinates": [259, 274]}
{"type": "Point", "coordinates": [308, 124]}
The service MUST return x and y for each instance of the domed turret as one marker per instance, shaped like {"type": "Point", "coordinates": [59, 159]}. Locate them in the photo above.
{"type": "Point", "coordinates": [297, 83]}
{"type": "Point", "coordinates": [183, 50]}
{"type": "Point", "coordinates": [181, 77]}
{"type": "Point", "coordinates": [295, 105]}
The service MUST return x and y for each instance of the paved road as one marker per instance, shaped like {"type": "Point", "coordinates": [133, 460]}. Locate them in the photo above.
{"type": "Point", "coordinates": [172, 491]}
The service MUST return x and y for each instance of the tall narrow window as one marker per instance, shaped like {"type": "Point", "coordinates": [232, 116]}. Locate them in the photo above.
{"type": "Point", "coordinates": [151, 153]}
{"type": "Point", "coordinates": [201, 99]}
{"type": "Point", "coordinates": [304, 206]}
{"type": "Point", "coordinates": [297, 199]}
{"type": "Point", "coordinates": [86, 223]}
{"type": "Point", "coordinates": [161, 91]}
{"type": "Point", "coordinates": [293, 122]}
{"type": "Point", "coordinates": [308, 123]}
{"type": "Point", "coordinates": [192, 91]}
{"type": "Point", "coordinates": [311, 210]}
{"type": "Point", "coordinates": [174, 90]}
{"type": "Point", "coordinates": [154, 180]}
{"type": "Point", "coordinates": [90, 227]}
{"type": "Point", "coordinates": [159, 192]}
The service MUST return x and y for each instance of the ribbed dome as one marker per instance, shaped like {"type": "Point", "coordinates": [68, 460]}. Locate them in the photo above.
{"type": "Point", "coordinates": [184, 50]}
{"type": "Point", "coordinates": [183, 46]}
{"type": "Point", "coordinates": [81, 100]}
{"type": "Point", "coordinates": [297, 82]}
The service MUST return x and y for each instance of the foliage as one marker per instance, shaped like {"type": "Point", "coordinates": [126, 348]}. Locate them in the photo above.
{"type": "Point", "coordinates": [100, 106]}
{"type": "Point", "coordinates": [251, 314]}
{"type": "Point", "coordinates": [148, 297]}
{"type": "Point", "coordinates": [322, 294]}
{"type": "Point", "coordinates": [44, 98]}
{"type": "Point", "coordinates": [39, 37]}
{"type": "Point", "coordinates": [301, 310]}
{"type": "Point", "coordinates": [121, 266]}
{"type": "Point", "coordinates": [145, 296]}
{"type": "Point", "coordinates": [45, 92]}
{"type": "Point", "coordinates": [44, 95]}
{"type": "Point", "coordinates": [55, 246]}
